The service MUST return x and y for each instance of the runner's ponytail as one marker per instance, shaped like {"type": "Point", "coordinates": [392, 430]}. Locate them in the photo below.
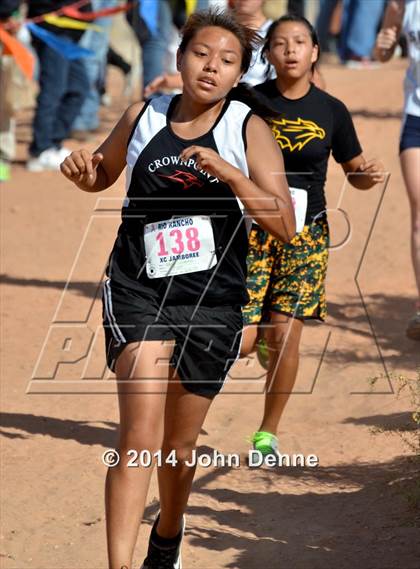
{"type": "Point", "coordinates": [256, 102]}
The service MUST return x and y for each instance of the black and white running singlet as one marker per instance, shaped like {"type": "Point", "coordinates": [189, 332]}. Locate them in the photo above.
{"type": "Point", "coordinates": [183, 237]}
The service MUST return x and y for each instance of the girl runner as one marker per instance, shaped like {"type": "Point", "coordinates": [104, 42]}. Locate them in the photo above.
{"type": "Point", "coordinates": [404, 16]}
{"type": "Point", "coordinates": [286, 281]}
{"type": "Point", "coordinates": [177, 272]}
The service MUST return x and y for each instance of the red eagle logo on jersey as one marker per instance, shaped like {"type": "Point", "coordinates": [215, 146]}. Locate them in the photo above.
{"type": "Point", "coordinates": [187, 179]}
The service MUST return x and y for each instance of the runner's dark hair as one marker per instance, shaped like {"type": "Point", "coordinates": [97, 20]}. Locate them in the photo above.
{"type": "Point", "coordinates": [256, 102]}
{"type": "Point", "coordinates": [282, 20]}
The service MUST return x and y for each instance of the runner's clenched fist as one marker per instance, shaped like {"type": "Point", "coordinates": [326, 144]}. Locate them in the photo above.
{"type": "Point", "coordinates": [81, 168]}
{"type": "Point", "coordinates": [210, 161]}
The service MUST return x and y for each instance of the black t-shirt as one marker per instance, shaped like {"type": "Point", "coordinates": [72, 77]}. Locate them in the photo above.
{"type": "Point", "coordinates": [308, 130]}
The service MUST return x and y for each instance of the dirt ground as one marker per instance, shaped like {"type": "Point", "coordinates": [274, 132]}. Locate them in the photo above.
{"type": "Point", "coordinates": [353, 510]}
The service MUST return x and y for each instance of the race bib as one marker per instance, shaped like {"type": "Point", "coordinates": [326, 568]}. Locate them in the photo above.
{"type": "Point", "coordinates": [179, 246]}
{"type": "Point", "coordinates": [300, 203]}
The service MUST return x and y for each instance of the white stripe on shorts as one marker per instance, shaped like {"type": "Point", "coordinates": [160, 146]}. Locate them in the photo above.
{"type": "Point", "coordinates": [116, 332]}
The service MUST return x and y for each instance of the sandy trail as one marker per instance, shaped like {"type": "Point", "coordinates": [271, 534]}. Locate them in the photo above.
{"type": "Point", "coordinates": [350, 511]}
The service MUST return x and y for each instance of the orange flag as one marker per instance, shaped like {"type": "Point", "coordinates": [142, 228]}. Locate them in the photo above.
{"type": "Point", "coordinates": [16, 49]}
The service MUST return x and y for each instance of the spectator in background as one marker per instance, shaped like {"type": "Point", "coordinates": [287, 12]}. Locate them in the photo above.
{"type": "Point", "coordinates": [154, 48]}
{"type": "Point", "coordinates": [323, 25]}
{"type": "Point", "coordinates": [87, 120]}
{"type": "Point", "coordinates": [7, 65]}
{"type": "Point", "coordinates": [361, 20]}
{"type": "Point", "coordinates": [116, 60]}
{"type": "Point", "coordinates": [152, 23]}
{"type": "Point", "coordinates": [63, 85]}
{"type": "Point", "coordinates": [250, 13]}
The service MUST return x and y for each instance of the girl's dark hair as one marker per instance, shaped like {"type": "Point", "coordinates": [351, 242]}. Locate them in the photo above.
{"type": "Point", "coordinates": [248, 38]}
{"type": "Point", "coordinates": [290, 18]}
{"type": "Point", "coordinates": [258, 103]}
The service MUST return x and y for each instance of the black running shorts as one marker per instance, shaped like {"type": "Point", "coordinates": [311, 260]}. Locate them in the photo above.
{"type": "Point", "coordinates": [207, 339]}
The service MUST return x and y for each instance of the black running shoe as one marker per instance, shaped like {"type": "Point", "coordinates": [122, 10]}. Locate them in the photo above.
{"type": "Point", "coordinates": [161, 557]}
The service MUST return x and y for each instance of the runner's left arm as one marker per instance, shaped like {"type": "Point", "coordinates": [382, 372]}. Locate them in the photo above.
{"type": "Point", "coordinates": [265, 194]}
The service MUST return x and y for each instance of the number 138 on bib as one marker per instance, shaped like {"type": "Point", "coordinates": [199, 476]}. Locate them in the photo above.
{"type": "Point", "coordinates": [179, 246]}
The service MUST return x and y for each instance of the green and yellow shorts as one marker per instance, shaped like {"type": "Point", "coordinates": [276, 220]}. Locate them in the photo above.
{"type": "Point", "coordinates": [288, 278]}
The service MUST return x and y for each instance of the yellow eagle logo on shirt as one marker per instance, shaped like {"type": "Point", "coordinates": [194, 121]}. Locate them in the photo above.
{"type": "Point", "coordinates": [295, 134]}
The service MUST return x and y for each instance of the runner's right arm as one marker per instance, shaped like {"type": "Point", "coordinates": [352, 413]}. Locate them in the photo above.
{"type": "Point", "coordinates": [98, 171]}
